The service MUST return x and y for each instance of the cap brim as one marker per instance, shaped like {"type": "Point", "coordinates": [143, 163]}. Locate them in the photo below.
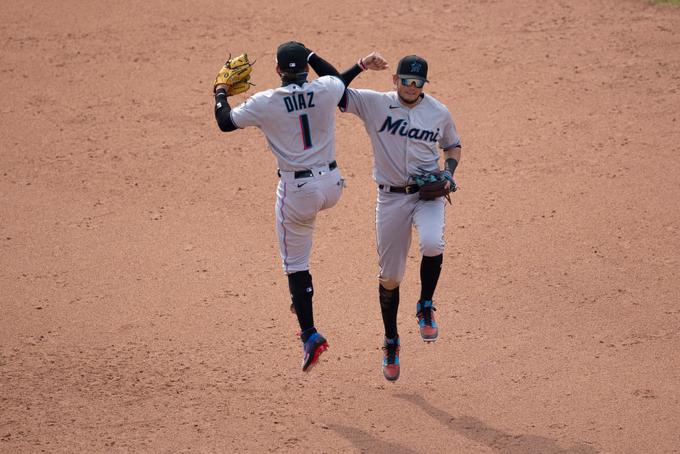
{"type": "Point", "coordinates": [411, 76]}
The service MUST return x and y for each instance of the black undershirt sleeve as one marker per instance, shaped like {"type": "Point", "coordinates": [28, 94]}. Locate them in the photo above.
{"type": "Point", "coordinates": [322, 67]}
{"type": "Point", "coordinates": [349, 75]}
{"type": "Point", "coordinates": [222, 110]}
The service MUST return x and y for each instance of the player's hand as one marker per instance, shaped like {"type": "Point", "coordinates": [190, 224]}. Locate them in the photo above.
{"type": "Point", "coordinates": [374, 61]}
{"type": "Point", "coordinates": [451, 185]}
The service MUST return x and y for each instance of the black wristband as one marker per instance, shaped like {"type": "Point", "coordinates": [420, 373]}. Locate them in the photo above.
{"type": "Point", "coordinates": [450, 164]}
{"type": "Point", "coordinates": [221, 92]}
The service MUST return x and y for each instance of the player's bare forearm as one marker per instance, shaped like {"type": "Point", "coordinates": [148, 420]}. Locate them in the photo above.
{"type": "Point", "coordinates": [452, 153]}
{"type": "Point", "coordinates": [451, 160]}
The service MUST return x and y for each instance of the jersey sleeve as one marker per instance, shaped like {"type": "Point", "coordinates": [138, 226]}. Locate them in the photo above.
{"type": "Point", "coordinates": [358, 101]}
{"type": "Point", "coordinates": [449, 138]}
{"type": "Point", "coordinates": [247, 113]}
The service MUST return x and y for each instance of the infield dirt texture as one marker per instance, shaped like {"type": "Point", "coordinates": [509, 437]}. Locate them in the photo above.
{"type": "Point", "coordinates": [142, 303]}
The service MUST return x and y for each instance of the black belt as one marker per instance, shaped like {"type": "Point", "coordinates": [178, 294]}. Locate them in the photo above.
{"type": "Point", "coordinates": [310, 173]}
{"type": "Point", "coordinates": [408, 189]}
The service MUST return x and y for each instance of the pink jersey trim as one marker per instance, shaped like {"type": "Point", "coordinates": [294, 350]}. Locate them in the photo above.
{"type": "Point", "coordinates": [283, 227]}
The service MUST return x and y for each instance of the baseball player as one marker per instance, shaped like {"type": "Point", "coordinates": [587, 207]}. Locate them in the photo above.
{"type": "Point", "coordinates": [298, 121]}
{"type": "Point", "coordinates": [405, 127]}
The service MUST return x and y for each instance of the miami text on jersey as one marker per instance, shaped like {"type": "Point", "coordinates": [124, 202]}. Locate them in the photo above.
{"type": "Point", "coordinates": [401, 126]}
{"type": "Point", "coordinates": [297, 101]}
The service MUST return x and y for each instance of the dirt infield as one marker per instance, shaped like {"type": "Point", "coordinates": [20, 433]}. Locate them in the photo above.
{"type": "Point", "coordinates": [142, 303]}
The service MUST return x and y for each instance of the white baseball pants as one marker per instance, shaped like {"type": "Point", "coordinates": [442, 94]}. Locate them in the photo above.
{"type": "Point", "coordinates": [298, 200]}
{"type": "Point", "coordinates": [395, 215]}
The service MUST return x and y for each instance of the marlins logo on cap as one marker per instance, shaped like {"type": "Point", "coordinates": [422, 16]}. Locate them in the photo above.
{"type": "Point", "coordinates": [413, 66]}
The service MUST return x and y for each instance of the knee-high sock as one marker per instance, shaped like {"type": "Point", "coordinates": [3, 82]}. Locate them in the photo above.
{"type": "Point", "coordinates": [301, 292]}
{"type": "Point", "coordinates": [430, 269]}
{"type": "Point", "coordinates": [389, 306]}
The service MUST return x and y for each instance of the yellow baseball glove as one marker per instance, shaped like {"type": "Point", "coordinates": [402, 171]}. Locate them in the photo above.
{"type": "Point", "coordinates": [235, 74]}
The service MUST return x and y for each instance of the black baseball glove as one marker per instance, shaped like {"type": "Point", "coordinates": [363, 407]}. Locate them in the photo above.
{"type": "Point", "coordinates": [435, 184]}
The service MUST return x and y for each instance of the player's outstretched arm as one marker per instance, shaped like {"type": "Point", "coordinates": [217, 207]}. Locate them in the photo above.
{"type": "Point", "coordinates": [321, 66]}
{"type": "Point", "coordinates": [373, 61]}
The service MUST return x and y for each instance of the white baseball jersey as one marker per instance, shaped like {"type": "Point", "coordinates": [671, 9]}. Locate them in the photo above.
{"type": "Point", "coordinates": [299, 122]}
{"type": "Point", "coordinates": [404, 139]}
{"type": "Point", "coordinates": [404, 144]}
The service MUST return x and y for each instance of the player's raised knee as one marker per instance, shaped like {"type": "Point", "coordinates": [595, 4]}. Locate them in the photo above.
{"type": "Point", "coordinates": [389, 283]}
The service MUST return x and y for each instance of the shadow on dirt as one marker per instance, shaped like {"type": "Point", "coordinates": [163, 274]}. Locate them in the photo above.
{"type": "Point", "coordinates": [366, 442]}
{"type": "Point", "coordinates": [505, 443]}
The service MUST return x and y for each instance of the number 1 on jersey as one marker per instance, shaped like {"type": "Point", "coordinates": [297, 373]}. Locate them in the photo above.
{"type": "Point", "coordinates": [306, 134]}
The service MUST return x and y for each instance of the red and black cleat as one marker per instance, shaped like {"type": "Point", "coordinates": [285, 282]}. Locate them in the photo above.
{"type": "Point", "coordinates": [390, 364]}
{"type": "Point", "coordinates": [426, 323]}
{"type": "Point", "coordinates": [313, 348]}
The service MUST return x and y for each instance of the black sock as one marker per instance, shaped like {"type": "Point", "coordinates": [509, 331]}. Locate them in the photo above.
{"type": "Point", "coordinates": [389, 306]}
{"type": "Point", "coordinates": [430, 268]}
{"type": "Point", "coordinates": [301, 292]}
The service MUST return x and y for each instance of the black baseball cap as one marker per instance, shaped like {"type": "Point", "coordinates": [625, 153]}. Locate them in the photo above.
{"type": "Point", "coordinates": [292, 57]}
{"type": "Point", "coordinates": [413, 66]}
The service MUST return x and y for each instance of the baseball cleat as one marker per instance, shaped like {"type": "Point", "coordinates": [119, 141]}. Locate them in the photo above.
{"type": "Point", "coordinates": [425, 315]}
{"type": "Point", "coordinates": [390, 363]}
{"type": "Point", "coordinates": [313, 348]}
